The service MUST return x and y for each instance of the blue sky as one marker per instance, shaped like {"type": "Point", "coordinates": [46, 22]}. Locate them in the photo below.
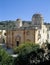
{"type": "Point", "coordinates": [24, 9]}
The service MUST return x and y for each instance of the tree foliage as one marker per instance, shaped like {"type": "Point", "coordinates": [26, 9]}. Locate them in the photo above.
{"type": "Point", "coordinates": [23, 52]}
{"type": "Point", "coordinates": [5, 58]}
{"type": "Point", "coordinates": [26, 48]}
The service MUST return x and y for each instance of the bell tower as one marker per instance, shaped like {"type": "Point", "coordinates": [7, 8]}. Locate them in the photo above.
{"type": "Point", "coordinates": [18, 23]}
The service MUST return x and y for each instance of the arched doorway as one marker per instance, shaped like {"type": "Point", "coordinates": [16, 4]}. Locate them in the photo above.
{"type": "Point", "coordinates": [18, 40]}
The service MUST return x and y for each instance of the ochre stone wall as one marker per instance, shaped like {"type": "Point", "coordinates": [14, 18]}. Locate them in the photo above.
{"type": "Point", "coordinates": [24, 35]}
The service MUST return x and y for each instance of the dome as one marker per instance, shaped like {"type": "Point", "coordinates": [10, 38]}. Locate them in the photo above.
{"type": "Point", "coordinates": [18, 19]}
{"type": "Point", "coordinates": [37, 16]}
{"type": "Point", "coordinates": [37, 19]}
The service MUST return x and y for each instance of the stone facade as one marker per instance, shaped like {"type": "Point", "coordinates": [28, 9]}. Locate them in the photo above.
{"type": "Point", "coordinates": [35, 32]}
{"type": "Point", "coordinates": [16, 37]}
{"type": "Point", "coordinates": [2, 36]}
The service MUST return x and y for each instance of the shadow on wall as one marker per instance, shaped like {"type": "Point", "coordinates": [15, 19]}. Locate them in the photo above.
{"type": "Point", "coordinates": [3, 40]}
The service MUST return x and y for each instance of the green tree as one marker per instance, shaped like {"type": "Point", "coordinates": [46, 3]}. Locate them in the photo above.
{"type": "Point", "coordinates": [23, 51]}
{"type": "Point", "coordinates": [26, 48]}
{"type": "Point", "coordinates": [5, 58]}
